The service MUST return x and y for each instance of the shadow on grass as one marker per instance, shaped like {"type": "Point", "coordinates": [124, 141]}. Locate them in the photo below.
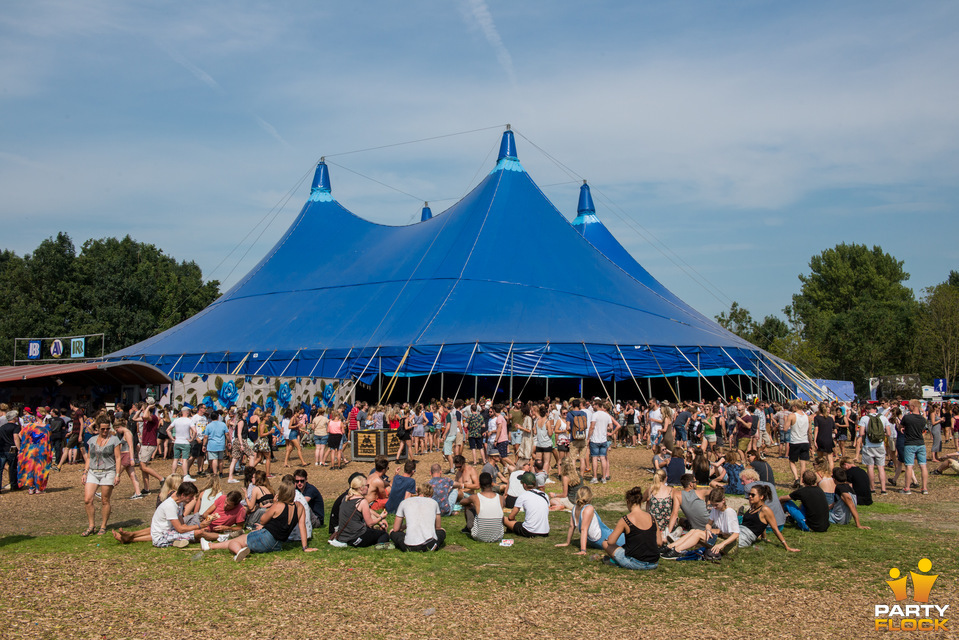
{"type": "Point", "coordinates": [126, 524]}
{"type": "Point", "coordinates": [8, 540]}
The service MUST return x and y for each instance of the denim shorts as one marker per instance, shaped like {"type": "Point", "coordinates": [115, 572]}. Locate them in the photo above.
{"type": "Point", "coordinates": [624, 561]}
{"type": "Point", "coordinates": [262, 541]}
{"type": "Point", "coordinates": [318, 440]}
{"type": "Point", "coordinates": [214, 455]}
{"type": "Point", "coordinates": [913, 453]}
{"type": "Point", "coordinates": [516, 437]}
{"type": "Point", "coordinates": [598, 449]}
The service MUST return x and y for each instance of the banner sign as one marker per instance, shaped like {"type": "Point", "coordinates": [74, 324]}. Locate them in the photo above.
{"type": "Point", "coordinates": [56, 348]}
{"type": "Point", "coordinates": [33, 350]}
{"type": "Point", "coordinates": [77, 347]}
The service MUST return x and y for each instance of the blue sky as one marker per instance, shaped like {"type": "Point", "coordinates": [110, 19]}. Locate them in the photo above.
{"type": "Point", "coordinates": [725, 143]}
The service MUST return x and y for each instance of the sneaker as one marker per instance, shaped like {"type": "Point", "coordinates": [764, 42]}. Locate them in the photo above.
{"type": "Point", "coordinates": [907, 492]}
{"type": "Point", "coordinates": [891, 481]}
{"type": "Point", "coordinates": [234, 481]}
{"type": "Point", "coordinates": [179, 544]}
{"type": "Point", "coordinates": [189, 478]}
{"type": "Point", "coordinates": [144, 492]}
{"type": "Point", "coordinates": [385, 546]}
{"type": "Point", "coordinates": [669, 554]}
{"type": "Point", "coordinates": [594, 481]}
{"type": "Point", "coordinates": [136, 496]}
{"type": "Point", "coordinates": [937, 472]}
{"type": "Point", "coordinates": [241, 554]}
{"type": "Point", "coordinates": [796, 484]}
{"type": "Point", "coordinates": [925, 493]}
{"type": "Point", "coordinates": [338, 544]}
{"type": "Point", "coordinates": [711, 555]}
{"type": "Point", "coordinates": [603, 480]}
{"type": "Point", "coordinates": [204, 544]}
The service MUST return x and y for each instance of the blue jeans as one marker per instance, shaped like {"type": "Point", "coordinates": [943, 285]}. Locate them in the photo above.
{"type": "Point", "coordinates": [624, 561]}
{"type": "Point", "coordinates": [7, 458]}
{"type": "Point", "coordinates": [262, 541]}
{"type": "Point", "coordinates": [798, 514]}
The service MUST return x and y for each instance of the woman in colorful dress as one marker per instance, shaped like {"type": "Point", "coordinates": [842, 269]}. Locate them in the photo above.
{"type": "Point", "coordinates": [33, 462]}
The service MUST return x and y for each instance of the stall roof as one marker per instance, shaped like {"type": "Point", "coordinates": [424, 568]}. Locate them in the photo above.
{"type": "Point", "coordinates": [84, 373]}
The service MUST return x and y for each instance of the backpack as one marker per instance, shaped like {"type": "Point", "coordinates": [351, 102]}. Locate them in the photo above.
{"type": "Point", "coordinates": [579, 427]}
{"type": "Point", "coordinates": [875, 431]}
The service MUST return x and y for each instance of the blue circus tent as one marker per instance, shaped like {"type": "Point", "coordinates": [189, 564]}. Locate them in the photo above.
{"type": "Point", "coordinates": [499, 283]}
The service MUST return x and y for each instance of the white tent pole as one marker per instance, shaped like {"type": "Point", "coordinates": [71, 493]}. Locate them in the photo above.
{"type": "Point", "coordinates": [318, 360]}
{"type": "Point", "coordinates": [198, 362]}
{"type": "Point", "coordinates": [337, 374]}
{"type": "Point", "coordinates": [631, 374]}
{"type": "Point", "coordinates": [535, 366]}
{"type": "Point", "coordinates": [289, 363]}
{"type": "Point", "coordinates": [264, 363]}
{"type": "Point", "coordinates": [697, 370]}
{"type": "Point", "coordinates": [505, 362]}
{"type": "Point", "coordinates": [429, 374]}
{"type": "Point", "coordinates": [596, 370]}
{"type": "Point", "coordinates": [242, 362]}
{"type": "Point", "coordinates": [465, 371]}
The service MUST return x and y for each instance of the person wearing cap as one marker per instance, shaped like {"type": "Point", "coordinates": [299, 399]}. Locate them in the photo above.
{"type": "Point", "coordinates": [182, 432]}
{"type": "Point", "coordinates": [535, 504]}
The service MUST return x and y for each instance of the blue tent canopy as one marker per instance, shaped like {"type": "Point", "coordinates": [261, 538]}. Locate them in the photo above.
{"type": "Point", "coordinates": [499, 282]}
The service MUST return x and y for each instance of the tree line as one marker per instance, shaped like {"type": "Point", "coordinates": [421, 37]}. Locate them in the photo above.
{"type": "Point", "coordinates": [855, 319]}
{"type": "Point", "coordinates": [124, 289]}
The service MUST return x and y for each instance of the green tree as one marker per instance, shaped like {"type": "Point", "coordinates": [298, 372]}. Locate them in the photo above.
{"type": "Point", "coordinates": [855, 310]}
{"type": "Point", "coordinates": [938, 331]}
{"type": "Point", "coordinates": [738, 320]}
{"type": "Point", "coordinates": [124, 289]}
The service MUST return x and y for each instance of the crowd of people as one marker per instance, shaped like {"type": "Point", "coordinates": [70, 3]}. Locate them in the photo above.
{"type": "Point", "coordinates": [498, 459]}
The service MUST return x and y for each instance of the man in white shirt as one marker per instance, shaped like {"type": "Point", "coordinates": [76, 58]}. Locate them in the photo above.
{"type": "Point", "coordinates": [514, 486]}
{"type": "Point", "coordinates": [182, 432]}
{"type": "Point", "coordinates": [200, 421]}
{"type": "Point", "coordinates": [535, 504]}
{"type": "Point", "coordinates": [423, 524]}
{"type": "Point", "coordinates": [599, 429]}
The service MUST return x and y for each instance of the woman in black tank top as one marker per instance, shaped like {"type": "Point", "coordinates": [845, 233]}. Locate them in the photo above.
{"type": "Point", "coordinates": [759, 516]}
{"type": "Point", "coordinates": [275, 527]}
{"type": "Point", "coordinates": [643, 538]}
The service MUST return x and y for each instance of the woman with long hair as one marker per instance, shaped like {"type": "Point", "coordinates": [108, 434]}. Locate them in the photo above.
{"type": "Point", "coordinates": [335, 429]}
{"type": "Point", "coordinates": [641, 537]}
{"type": "Point", "coordinates": [659, 500]}
{"type": "Point", "coordinates": [824, 426]}
{"type": "Point", "coordinates": [593, 532]}
{"type": "Point", "coordinates": [842, 429]}
{"type": "Point", "coordinates": [416, 423]}
{"type": "Point", "coordinates": [297, 428]}
{"type": "Point", "coordinates": [542, 434]}
{"type": "Point", "coordinates": [274, 528]}
{"type": "Point", "coordinates": [359, 525]}
{"type": "Point", "coordinates": [571, 479]}
{"type": "Point", "coordinates": [321, 436]}
{"type": "Point", "coordinates": [126, 454]}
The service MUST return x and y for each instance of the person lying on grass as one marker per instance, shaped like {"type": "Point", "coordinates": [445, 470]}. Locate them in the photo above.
{"type": "Point", "coordinates": [275, 526]}
{"type": "Point", "coordinates": [167, 528]}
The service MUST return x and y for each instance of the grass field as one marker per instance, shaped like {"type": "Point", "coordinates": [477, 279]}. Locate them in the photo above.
{"type": "Point", "coordinates": [63, 586]}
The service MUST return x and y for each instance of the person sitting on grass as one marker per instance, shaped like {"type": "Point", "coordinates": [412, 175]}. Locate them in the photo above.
{"type": "Point", "coordinates": [751, 479]}
{"type": "Point", "coordinates": [418, 526]}
{"type": "Point", "coordinates": [569, 476]}
{"type": "Point", "coordinates": [535, 504]}
{"type": "Point", "coordinates": [402, 487]}
{"type": "Point", "coordinates": [226, 515]}
{"type": "Point", "coordinates": [728, 470]}
{"type": "Point", "coordinates": [635, 540]}
{"type": "Point", "coordinates": [275, 526]}
{"type": "Point", "coordinates": [843, 509]}
{"type": "Point", "coordinates": [949, 461]}
{"type": "Point", "coordinates": [484, 513]}
{"type": "Point", "coordinates": [592, 531]}
{"type": "Point", "coordinates": [379, 491]}
{"type": "Point", "coordinates": [759, 518]}
{"type": "Point", "coordinates": [813, 515]}
{"type": "Point", "coordinates": [167, 529]}
{"type": "Point", "coordinates": [357, 525]}
{"type": "Point", "coordinates": [722, 531]}
{"type": "Point", "coordinates": [692, 502]}
{"type": "Point", "coordinates": [859, 480]}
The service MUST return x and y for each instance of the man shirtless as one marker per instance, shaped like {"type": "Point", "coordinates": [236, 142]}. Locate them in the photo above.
{"type": "Point", "coordinates": [466, 479]}
{"type": "Point", "coordinates": [379, 484]}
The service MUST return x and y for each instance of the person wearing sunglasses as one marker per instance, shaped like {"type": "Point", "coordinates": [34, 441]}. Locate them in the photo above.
{"type": "Point", "coordinates": [759, 518]}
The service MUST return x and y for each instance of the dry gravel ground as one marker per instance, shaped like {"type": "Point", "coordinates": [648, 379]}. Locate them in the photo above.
{"type": "Point", "coordinates": [62, 586]}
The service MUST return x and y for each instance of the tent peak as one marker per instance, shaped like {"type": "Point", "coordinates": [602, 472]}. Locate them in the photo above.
{"type": "Point", "coordinates": [585, 200]}
{"type": "Point", "coordinates": [427, 213]}
{"type": "Point", "coordinates": [507, 159]}
{"type": "Point", "coordinates": [320, 191]}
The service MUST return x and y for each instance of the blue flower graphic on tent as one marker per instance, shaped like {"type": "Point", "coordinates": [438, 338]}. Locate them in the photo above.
{"type": "Point", "coordinates": [208, 401]}
{"type": "Point", "coordinates": [271, 404]}
{"type": "Point", "coordinates": [328, 394]}
{"type": "Point", "coordinates": [228, 393]}
{"type": "Point", "coordinates": [284, 395]}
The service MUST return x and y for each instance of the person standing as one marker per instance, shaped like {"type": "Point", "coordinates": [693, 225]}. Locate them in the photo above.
{"type": "Point", "coordinates": [182, 433]}
{"type": "Point", "coordinates": [598, 437]}
{"type": "Point", "coordinates": [102, 473]}
{"type": "Point", "coordinates": [797, 423]}
{"type": "Point", "coordinates": [34, 460]}
{"type": "Point", "coordinates": [914, 424]}
{"type": "Point", "coordinates": [9, 448]}
{"type": "Point", "coordinates": [149, 442]}
{"type": "Point", "coordinates": [58, 431]}
{"type": "Point", "coordinates": [215, 442]}
{"type": "Point", "coordinates": [873, 431]}
{"type": "Point", "coordinates": [578, 431]}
